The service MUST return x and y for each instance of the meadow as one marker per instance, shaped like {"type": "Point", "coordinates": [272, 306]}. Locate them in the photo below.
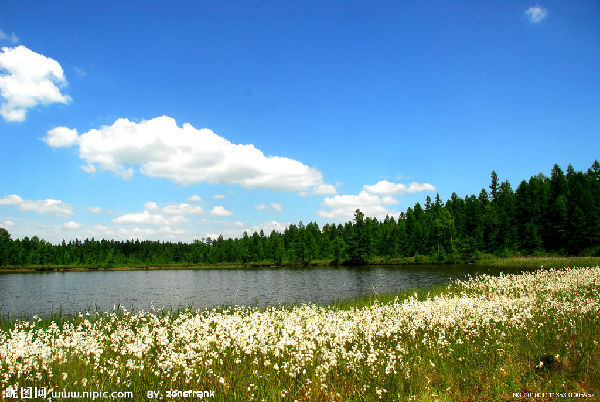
{"type": "Point", "coordinates": [484, 339]}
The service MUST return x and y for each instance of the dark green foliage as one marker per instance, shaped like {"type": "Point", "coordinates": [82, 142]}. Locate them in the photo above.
{"type": "Point", "coordinates": [558, 215]}
{"type": "Point", "coordinates": [5, 241]}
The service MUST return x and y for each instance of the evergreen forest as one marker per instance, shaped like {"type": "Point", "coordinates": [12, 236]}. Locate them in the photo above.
{"type": "Point", "coordinates": [558, 215]}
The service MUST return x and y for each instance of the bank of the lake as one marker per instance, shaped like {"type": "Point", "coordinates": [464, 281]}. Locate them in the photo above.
{"type": "Point", "coordinates": [513, 262]}
{"type": "Point", "coordinates": [490, 338]}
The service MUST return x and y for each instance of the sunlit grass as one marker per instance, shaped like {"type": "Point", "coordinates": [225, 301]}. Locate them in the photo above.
{"type": "Point", "coordinates": [476, 340]}
{"type": "Point", "coordinates": [542, 261]}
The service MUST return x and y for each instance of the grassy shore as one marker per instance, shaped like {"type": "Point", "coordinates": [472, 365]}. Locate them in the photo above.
{"type": "Point", "coordinates": [525, 262]}
{"type": "Point", "coordinates": [481, 340]}
{"type": "Point", "coordinates": [537, 262]}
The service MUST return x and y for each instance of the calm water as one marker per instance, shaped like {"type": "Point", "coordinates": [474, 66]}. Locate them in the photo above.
{"type": "Point", "coordinates": [27, 294]}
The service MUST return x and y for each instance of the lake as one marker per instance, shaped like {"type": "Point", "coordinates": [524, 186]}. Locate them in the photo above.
{"type": "Point", "coordinates": [45, 293]}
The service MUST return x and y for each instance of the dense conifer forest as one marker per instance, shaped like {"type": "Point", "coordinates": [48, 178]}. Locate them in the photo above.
{"type": "Point", "coordinates": [558, 215]}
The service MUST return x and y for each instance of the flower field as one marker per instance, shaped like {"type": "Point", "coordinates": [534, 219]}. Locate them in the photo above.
{"type": "Point", "coordinates": [482, 339]}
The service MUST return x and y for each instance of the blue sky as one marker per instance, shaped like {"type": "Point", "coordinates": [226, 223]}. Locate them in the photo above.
{"type": "Point", "coordinates": [180, 120]}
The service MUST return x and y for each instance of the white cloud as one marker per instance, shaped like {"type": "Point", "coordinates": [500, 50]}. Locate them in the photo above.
{"type": "Point", "coordinates": [30, 79]}
{"type": "Point", "coordinates": [8, 224]}
{"type": "Point", "coordinates": [239, 224]}
{"type": "Point", "coordinates": [325, 189]}
{"type": "Point", "coordinates": [385, 187]}
{"type": "Point", "coordinates": [218, 196]}
{"type": "Point", "coordinates": [154, 215]}
{"type": "Point", "coordinates": [152, 206]}
{"type": "Point", "coordinates": [11, 199]}
{"type": "Point", "coordinates": [99, 231]}
{"type": "Point", "coordinates": [148, 218]}
{"type": "Point", "coordinates": [47, 206]}
{"type": "Point", "coordinates": [12, 37]}
{"type": "Point", "coordinates": [92, 169]}
{"type": "Point", "coordinates": [268, 227]}
{"type": "Point", "coordinates": [94, 210]}
{"type": "Point", "coordinates": [142, 217]}
{"type": "Point", "coordinates": [61, 137]}
{"type": "Point", "coordinates": [536, 14]}
{"type": "Point", "coordinates": [188, 155]}
{"type": "Point", "coordinates": [272, 207]}
{"type": "Point", "coordinates": [183, 209]}
{"type": "Point", "coordinates": [372, 200]}
{"type": "Point", "coordinates": [212, 236]}
{"type": "Point", "coordinates": [102, 228]}
{"type": "Point", "coordinates": [170, 231]}
{"type": "Point", "coordinates": [194, 198]}
{"type": "Point", "coordinates": [147, 233]}
{"type": "Point", "coordinates": [343, 206]}
{"type": "Point", "coordinates": [72, 225]}
{"type": "Point", "coordinates": [219, 210]}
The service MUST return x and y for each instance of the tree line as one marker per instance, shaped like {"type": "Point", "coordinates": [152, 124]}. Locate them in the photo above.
{"type": "Point", "coordinates": [559, 214]}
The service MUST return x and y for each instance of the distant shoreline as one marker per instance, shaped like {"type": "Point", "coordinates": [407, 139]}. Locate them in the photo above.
{"type": "Point", "coordinates": [507, 262]}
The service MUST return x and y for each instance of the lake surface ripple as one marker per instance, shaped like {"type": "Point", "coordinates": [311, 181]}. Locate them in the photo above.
{"type": "Point", "coordinates": [43, 294]}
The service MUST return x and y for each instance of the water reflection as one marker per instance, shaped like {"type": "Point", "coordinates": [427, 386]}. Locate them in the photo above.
{"type": "Point", "coordinates": [71, 292]}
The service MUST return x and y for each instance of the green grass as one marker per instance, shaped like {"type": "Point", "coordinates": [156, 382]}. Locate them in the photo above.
{"type": "Point", "coordinates": [542, 261]}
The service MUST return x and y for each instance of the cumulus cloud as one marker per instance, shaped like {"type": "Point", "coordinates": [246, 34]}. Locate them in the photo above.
{"type": "Point", "coordinates": [273, 207]}
{"type": "Point", "coordinates": [343, 206]}
{"type": "Point", "coordinates": [268, 227]}
{"type": "Point", "coordinates": [61, 137]}
{"type": "Point", "coordinates": [373, 200]}
{"type": "Point", "coordinates": [94, 210]}
{"type": "Point", "coordinates": [186, 155]}
{"type": "Point", "coordinates": [171, 214]}
{"type": "Point", "coordinates": [47, 206]}
{"type": "Point", "coordinates": [212, 236]}
{"type": "Point", "coordinates": [152, 206]}
{"type": "Point", "coordinates": [28, 79]}
{"type": "Point", "coordinates": [240, 228]}
{"type": "Point", "coordinates": [536, 14]}
{"type": "Point", "coordinates": [183, 209]}
{"type": "Point", "coordinates": [103, 229]}
{"type": "Point", "coordinates": [219, 210]}
{"type": "Point", "coordinates": [11, 199]}
{"type": "Point", "coordinates": [276, 207]}
{"type": "Point", "coordinates": [194, 198]}
{"type": "Point", "coordinates": [239, 224]}
{"type": "Point", "coordinates": [325, 189]}
{"type": "Point", "coordinates": [72, 225]}
{"type": "Point", "coordinates": [385, 187]}
{"type": "Point", "coordinates": [218, 196]}
{"type": "Point", "coordinates": [147, 233]}
{"type": "Point", "coordinates": [148, 218]}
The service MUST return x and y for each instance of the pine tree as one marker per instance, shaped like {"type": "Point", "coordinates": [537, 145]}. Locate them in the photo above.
{"type": "Point", "coordinates": [494, 185]}
{"type": "Point", "coordinates": [5, 245]}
